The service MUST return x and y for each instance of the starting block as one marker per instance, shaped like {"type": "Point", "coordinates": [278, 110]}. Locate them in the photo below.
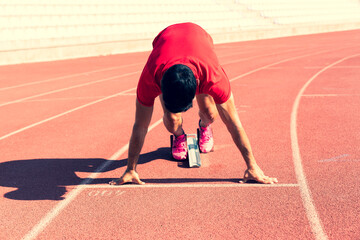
{"type": "Point", "coordinates": [193, 150]}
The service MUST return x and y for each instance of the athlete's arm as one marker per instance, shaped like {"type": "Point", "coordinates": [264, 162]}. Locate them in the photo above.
{"type": "Point", "coordinates": [230, 117]}
{"type": "Point", "coordinates": [142, 121]}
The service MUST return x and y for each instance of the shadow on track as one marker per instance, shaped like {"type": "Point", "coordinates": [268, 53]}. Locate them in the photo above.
{"type": "Point", "coordinates": [190, 180]}
{"type": "Point", "coordinates": [47, 179]}
{"type": "Point", "coordinates": [44, 179]}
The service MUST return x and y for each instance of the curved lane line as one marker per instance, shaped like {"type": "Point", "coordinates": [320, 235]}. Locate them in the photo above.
{"type": "Point", "coordinates": [312, 215]}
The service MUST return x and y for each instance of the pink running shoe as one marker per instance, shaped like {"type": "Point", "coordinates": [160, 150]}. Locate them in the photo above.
{"type": "Point", "coordinates": [179, 147]}
{"type": "Point", "coordinates": [206, 140]}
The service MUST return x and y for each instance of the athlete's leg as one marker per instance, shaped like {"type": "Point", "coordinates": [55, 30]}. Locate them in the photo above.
{"type": "Point", "coordinates": [172, 121]}
{"type": "Point", "coordinates": [207, 113]}
{"type": "Point", "coordinates": [207, 109]}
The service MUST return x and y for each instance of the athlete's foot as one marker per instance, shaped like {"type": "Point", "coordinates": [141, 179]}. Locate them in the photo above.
{"type": "Point", "coordinates": [179, 147]}
{"type": "Point", "coordinates": [206, 140]}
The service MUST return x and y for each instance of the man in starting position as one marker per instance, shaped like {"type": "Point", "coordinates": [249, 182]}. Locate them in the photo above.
{"type": "Point", "coordinates": [183, 65]}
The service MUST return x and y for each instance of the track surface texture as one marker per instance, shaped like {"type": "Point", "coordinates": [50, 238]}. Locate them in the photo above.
{"type": "Point", "coordinates": [65, 126]}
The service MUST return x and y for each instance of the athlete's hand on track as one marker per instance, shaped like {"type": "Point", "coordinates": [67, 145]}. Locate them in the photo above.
{"type": "Point", "coordinates": [128, 177]}
{"type": "Point", "coordinates": [257, 175]}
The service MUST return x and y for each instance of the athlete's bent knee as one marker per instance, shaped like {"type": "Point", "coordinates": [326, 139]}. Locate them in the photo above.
{"type": "Point", "coordinates": [172, 122]}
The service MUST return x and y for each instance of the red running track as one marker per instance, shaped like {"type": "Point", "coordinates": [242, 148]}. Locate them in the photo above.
{"type": "Point", "coordinates": [65, 127]}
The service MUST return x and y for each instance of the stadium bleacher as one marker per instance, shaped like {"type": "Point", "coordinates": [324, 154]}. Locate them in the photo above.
{"type": "Point", "coordinates": [39, 30]}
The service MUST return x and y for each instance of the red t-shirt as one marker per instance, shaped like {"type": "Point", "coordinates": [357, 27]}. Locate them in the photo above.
{"type": "Point", "coordinates": [190, 45]}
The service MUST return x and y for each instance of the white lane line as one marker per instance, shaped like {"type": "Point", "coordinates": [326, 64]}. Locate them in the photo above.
{"type": "Point", "coordinates": [257, 56]}
{"type": "Point", "coordinates": [344, 67]}
{"type": "Point", "coordinates": [339, 161]}
{"type": "Point", "coordinates": [53, 213]}
{"type": "Point", "coordinates": [293, 50]}
{"type": "Point", "coordinates": [62, 114]}
{"type": "Point", "coordinates": [278, 62]}
{"type": "Point", "coordinates": [330, 95]}
{"type": "Point", "coordinates": [335, 158]}
{"type": "Point", "coordinates": [320, 95]}
{"type": "Point", "coordinates": [319, 67]}
{"type": "Point", "coordinates": [341, 158]}
{"type": "Point", "coordinates": [68, 88]}
{"type": "Point", "coordinates": [308, 202]}
{"type": "Point", "coordinates": [74, 98]}
{"type": "Point", "coordinates": [64, 99]}
{"type": "Point", "coordinates": [199, 185]}
{"type": "Point", "coordinates": [68, 76]}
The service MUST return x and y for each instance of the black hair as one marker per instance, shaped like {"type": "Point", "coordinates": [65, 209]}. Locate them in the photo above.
{"type": "Point", "coordinates": [178, 86]}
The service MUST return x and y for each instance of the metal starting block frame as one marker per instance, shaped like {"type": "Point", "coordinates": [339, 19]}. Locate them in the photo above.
{"type": "Point", "coordinates": [193, 150]}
